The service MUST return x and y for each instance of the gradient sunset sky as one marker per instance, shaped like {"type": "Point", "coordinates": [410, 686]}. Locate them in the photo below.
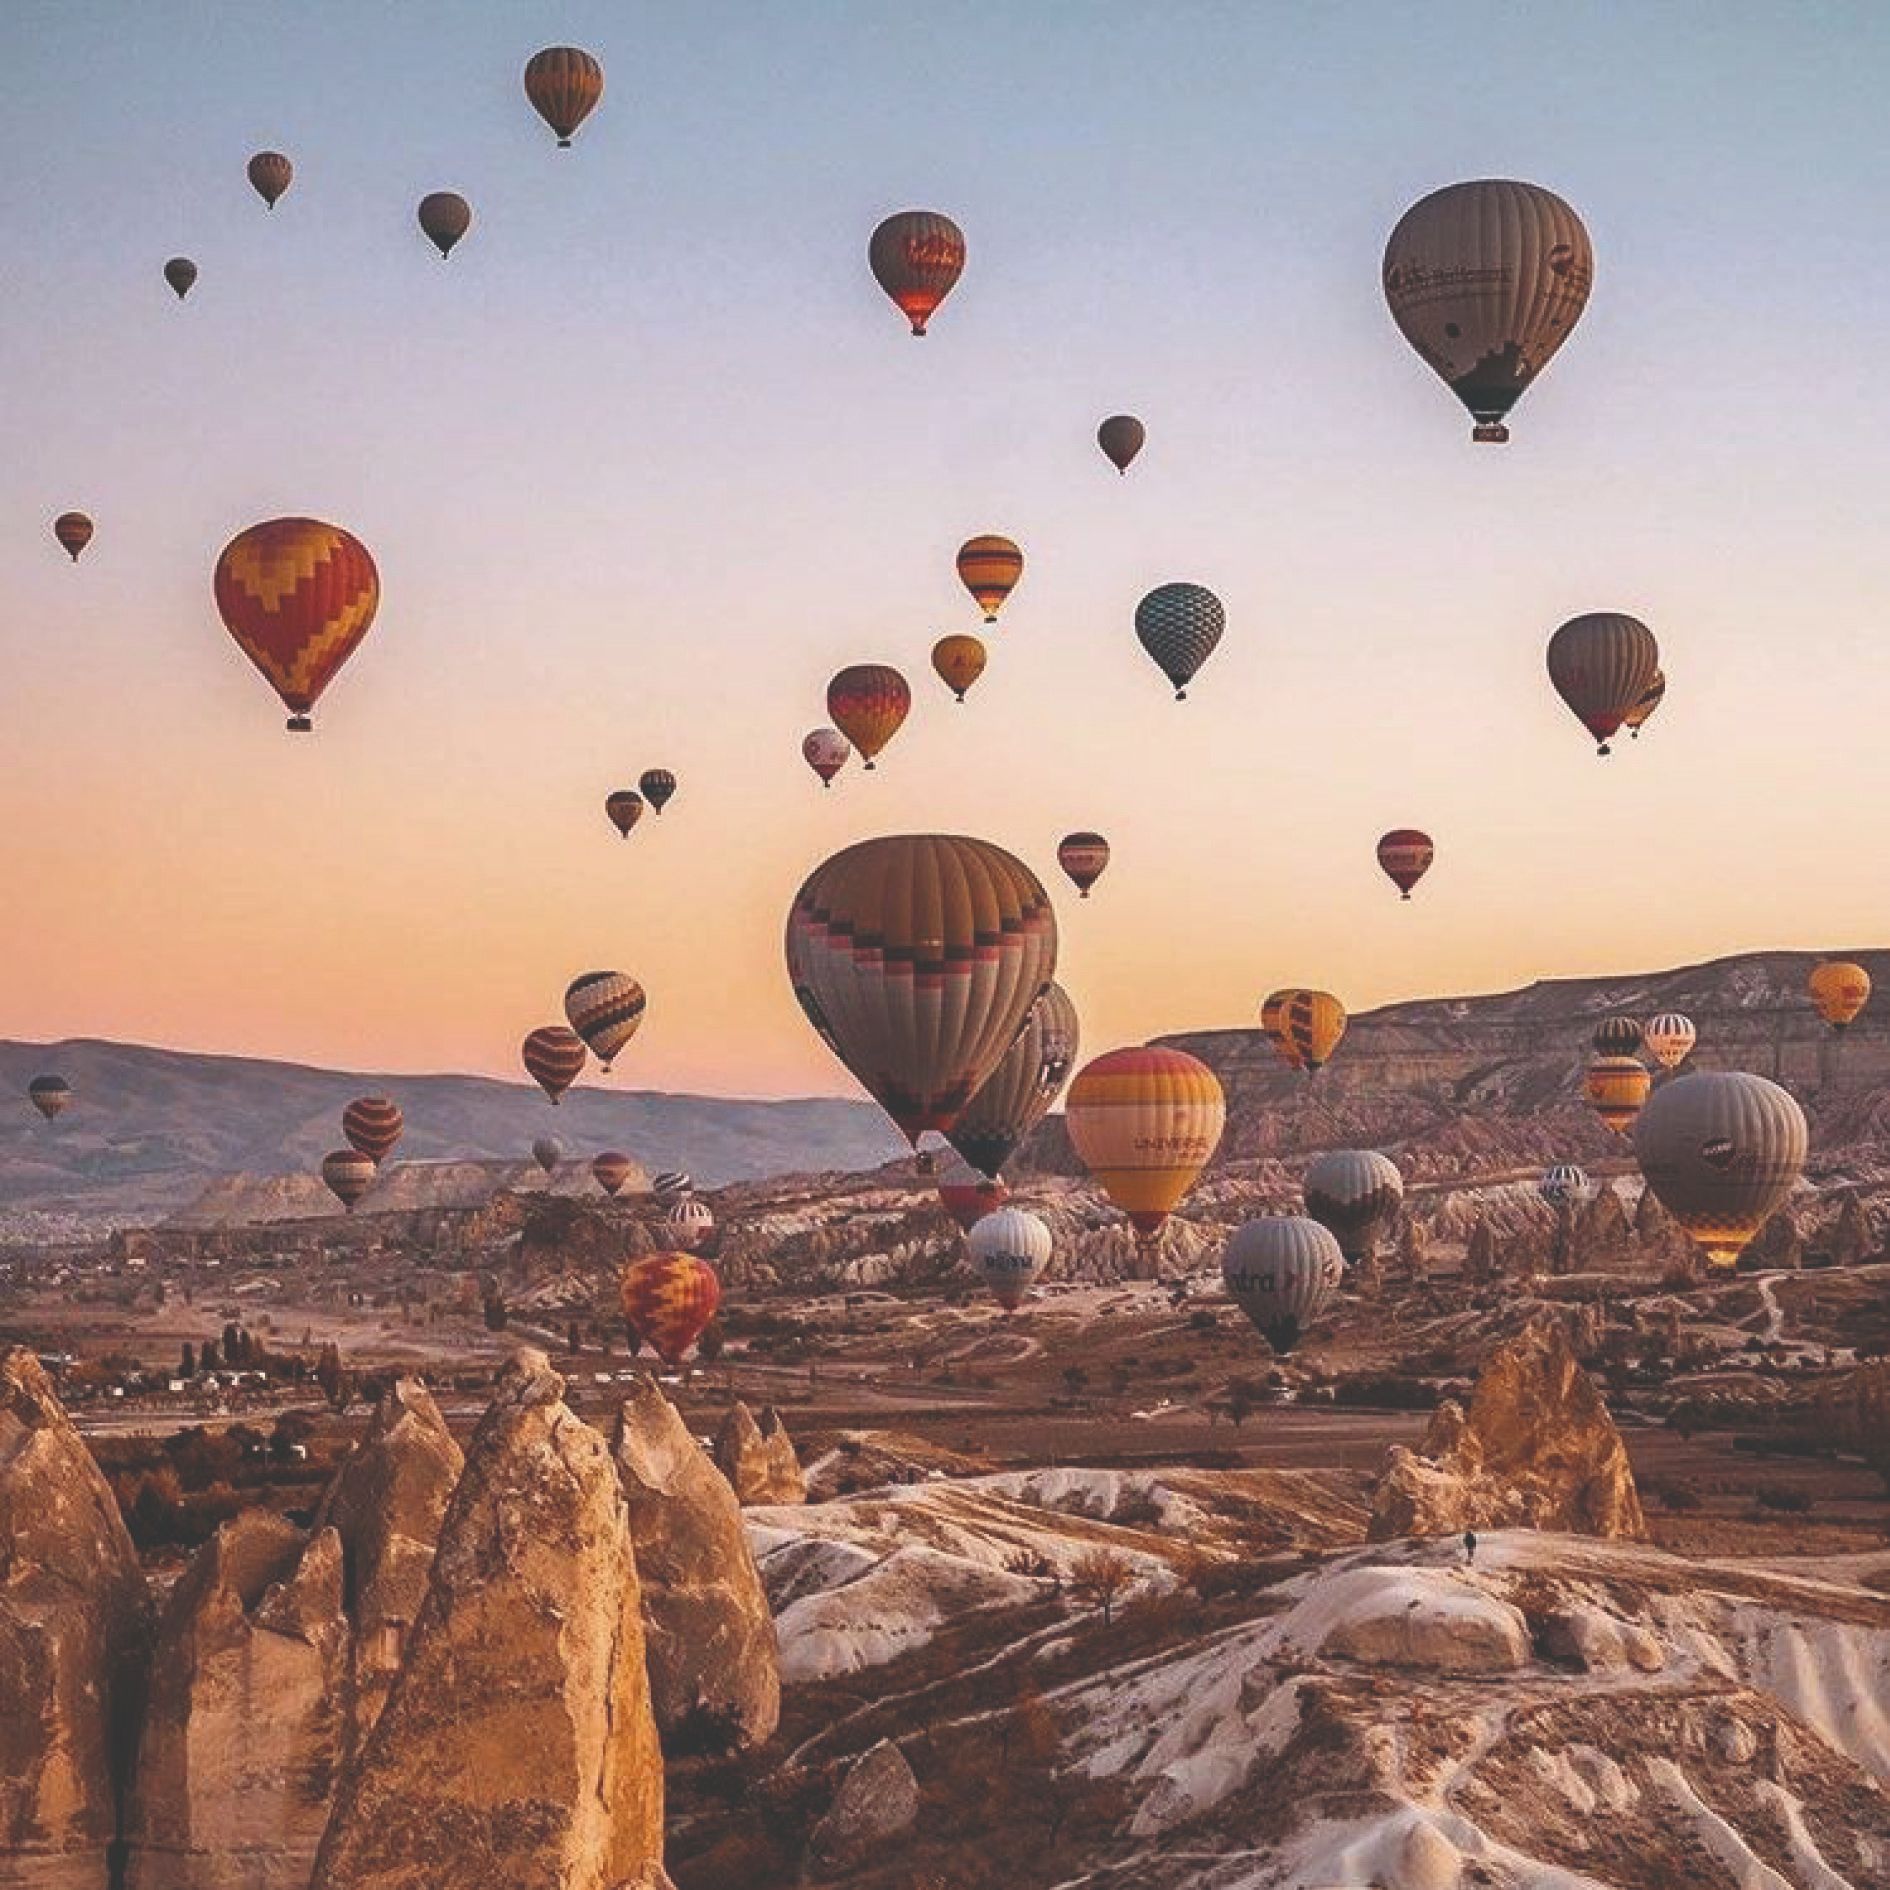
{"type": "Point", "coordinates": [650, 457]}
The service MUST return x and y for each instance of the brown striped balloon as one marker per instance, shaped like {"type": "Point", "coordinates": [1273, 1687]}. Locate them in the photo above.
{"type": "Point", "coordinates": [605, 1008]}
{"type": "Point", "coordinates": [989, 568]}
{"type": "Point", "coordinates": [270, 174]}
{"type": "Point", "coordinates": [348, 1174]}
{"type": "Point", "coordinates": [373, 1124]}
{"type": "Point", "coordinates": [611, 1170]}
{"type": "Point", "coordinates": [564, 84]}
{"type": "Point", "coordinates": [554, 1058]}
{"type": "Point", "coordinates": [1601, 665]}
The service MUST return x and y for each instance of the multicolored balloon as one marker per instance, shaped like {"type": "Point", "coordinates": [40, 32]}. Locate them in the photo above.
{"type": "Point", "coordinates": [373, 1124]}
{"type": "Point", "coordinates": [298, 596]}
{"type": "Point", "coordinates": [180, 272]}
{"type": "Point", "coordinates": [868, 702]}
{"type": "Point", "coordinates": [1017, 1095]}
{"type": "Point", "coordinates": [1303, 1026]}
{"type": "Point", "coordinates": [826, 751]}
{"type": "Point", "coordinates": [1355, 1193]}
{"type": "Point", "coordinates": [1121, 437]}
{"type": "Point", "coordinates": [1145, 1122]}
{"type": "Point", "coordinates": [1670, 1038]}
{"type": "Point", "coordinates": [623, 808]}
{"type": "Point", "coordinates": [1601, 666]}
{"type": "Point", "coordinates": [1404, 857]}
{"type": "Point", "coordinates": [668, 1300]}
{"type": "Point", "coordinates": [687, 1225]}
{"type": "Point", "coordinates": [74, 532]}
{"type": "Point", "coordinates": [348, 1174]}
{"type": "Point", "coordinates": [605, 1008]}
{"type": "Point", "coordinates": [1009, 1247]}
{"type": "Point", "coordinates": [989, 568]}
{"type": "Point", "coordinates": [958, 662]}
{"type": "Point", "coordinates": [1084, 857]}
{"type": "Point", "coordinates": [1616, 1089]}
{"type": "Point", "coordinates": [1486, 280]}
{"type": "Point", "coordinates": [1283, 1271]}
{"type": "Point", "coordinates": [917, 257]}
{"type": "Point", "coordinates": [1721, 1150]}
{"type": "Point", "coordinates": [1179, 625]}
{"type": "Point", "coordinates": [270, 174]}
{"type": "Point", "coordinates": [917, 958]}
{"type": "Point", "coordinates": [564, 84]}
{"type": "Point", "coordinates": [966, 1194]}
{"type": "Point", "coordinates": [554, 1058]}
{"type": "Point", "coordinates": [50, 1095]}
{"type": "Point", "coordinates": [445, 216]}
{"type": "Point", "coordinates": [1839, 990]}
{"type": "Point", "coordinates": [611, 1170]}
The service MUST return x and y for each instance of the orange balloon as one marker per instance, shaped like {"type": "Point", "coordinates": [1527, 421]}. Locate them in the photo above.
{"type": "Point", "coordinates": [868, 702]}
{"type": "Point", "coordinates": [667, 1300]}
{"type": "Point", "coordinates": [989, 568]}
{"type": "Point", "coordinates": [958, 662]}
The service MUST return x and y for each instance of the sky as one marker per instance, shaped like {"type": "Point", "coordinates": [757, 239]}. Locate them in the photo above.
{"type": "Point", "coordinates": [650, 457]}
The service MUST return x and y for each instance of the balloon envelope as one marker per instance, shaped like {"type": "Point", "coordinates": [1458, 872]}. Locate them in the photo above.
{"type": "Point", "coordinates": [1839, 990]}
{"type": "Point", "coordinates": [958, 662]}
{"type": "Point", "coordinates": [180, 272]}
{"type": "Point", "coordinates": [1601, 665]}
{"type": "Point", "coordinates": [658, 786]}
{"type": "Point", "coordinates": [349, 1174]}
{"type": "Point", "coordinates": [445, 216]}
{"type": "Point", "coordinates": [623, 809]}
{"type": "Point", "coordinates": [50, 1095]}
{"type": "Point", "coordinates": [373, 1124]}
{"type": "Point", "coordinates": [1084, 857]}
{"type": "Point", "coordinates": [1486, 280]}
{"type": "Point", "coordinates": [917, 957]}
{"type": "Point", "coordinates": [611, 1170]}
{"type": "Point", "coordinates": [1009, 1248]}
{"type": "Point", "coordinates": [1179, 626]}
{"type": "Point", "coordinates": [671, 1186]}
{"type": "Point", "coordinates": [1017, 1095]}
{"type": "Point", "coordinates": [1121, 437]}
{"type": "Point", "coordinates": [1355, 1194]}
{"type": "Point", "coordinates": [667, 1300]}
{"type": "Point", "coordinates": [1404, 857]}
{"type": "Point", "coordinates": [554, 1058]}
{"type": "Point", "coordinates": [825, 750]}
{"type": "Point", "coordinates": [548, 1152]}
{"type": "Point", "coordinates": [1145, 1122]}
{"type": "Point", "coordinates": [564, 84]}
{"type": "Point", "coordinates": [270, 174]}
{"type": "Point", "coordinates": [1616, 1088]}
{"type": "Point", "coordinates": [917, 256]}
{"type": "Point", "coordinates": [989, 568]}
{"type": "Point", "coordinates": [687, 1225]}
{"type": "Point", "coordinates": [1562, 1181]}
{"type": "Point", "coordinates": [297, 595]}
{"type": "Point", "coordinates": [1303, 1026]}
{"type": "Point", "coordinates": [74, 532]}
{"type": "Point", "coordinates": [868, 702]}
{"type": "Point", "coordinates": [1645, 705]}
{"type": "Point", "coordinates": [605, 1008]}
{"type": "Point", "coordinates": [1283, 1271]}
{"type": "Point", "coordinates": [968, 1195]}
{"type": "Point", "coordinates": [1669, 1038]}
{"type": "Point", "coordinates": [1721, 1150]}
{"type": "Point", "coordinates": [1618, 1037]}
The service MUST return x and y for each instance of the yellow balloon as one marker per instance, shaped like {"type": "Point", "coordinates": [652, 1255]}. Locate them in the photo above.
{"type": "Point", "coordinates": [1145, 1122]}
{"type": "Point", "coordinates": [959, 662]}
{"type": "Point", "coordinates": [1839, 989]}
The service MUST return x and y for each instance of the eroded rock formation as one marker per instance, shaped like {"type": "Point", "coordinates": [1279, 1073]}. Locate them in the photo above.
{"type": "Point", "coordinates": [759, 1459]}
{"type": "Point", "coordinates": [1537, 1448]}
{"type": "Point", "coordinates": [72, 1613]}
{"type": "Point", "coordinates": [517, 1746]}
{"type": "Point", "coordinates": [708, 1634]}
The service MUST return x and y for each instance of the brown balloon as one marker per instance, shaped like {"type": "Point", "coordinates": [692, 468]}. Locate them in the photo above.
{"type": "Point", "coordinates": [917, 258]}
{"type": "Point", "coordinates": [564, 84]}
{"type": "Point", "coordinates": [74, 532]}
{"type": "Point", "coordinates": [270, 174]}
{"type": "Point", "coordinates": [1121, 437]}
{"type": "Point", "coordinates": [445, 216]}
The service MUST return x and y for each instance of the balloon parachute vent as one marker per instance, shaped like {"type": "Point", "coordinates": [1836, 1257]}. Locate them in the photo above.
{"type": "Point", "coordinates": [300, 725]}
{"type": "Point", "coordinates": [1490, 433]}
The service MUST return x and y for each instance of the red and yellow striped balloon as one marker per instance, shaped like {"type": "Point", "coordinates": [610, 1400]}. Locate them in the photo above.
{"type": "Point", "coordinates": [868, 703]}
{"type": "Point", "coordinates": [348, 1175]}
{"type": "Point", "coordinates": [1145, 1122]}
{"type": "Point", "coordinates": [554, 1058]}
{"type": "Point", "coordinates": [989, 567]}
{"type": "Point", "coordinates": [298, 596]}
{"type": "Point", "coordinates": [667, 1300]}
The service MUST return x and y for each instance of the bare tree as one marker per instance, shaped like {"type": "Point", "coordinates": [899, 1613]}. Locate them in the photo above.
{"type": "Point", "coordinates": [1100, 1579]}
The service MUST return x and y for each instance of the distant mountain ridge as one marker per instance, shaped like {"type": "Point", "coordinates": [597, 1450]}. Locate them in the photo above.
{"type": "Point", "coordinates": [151, 1129]}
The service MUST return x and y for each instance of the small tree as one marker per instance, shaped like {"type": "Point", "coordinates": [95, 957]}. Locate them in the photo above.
{"type": "Point", "coordinates": [1100, 1578]}
{"type": "Point", "coordinates": [187, 1365]}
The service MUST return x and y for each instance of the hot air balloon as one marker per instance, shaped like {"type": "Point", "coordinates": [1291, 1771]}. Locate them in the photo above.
{"type": "Point", "coordinates": [1601, 665]}
{"type": "Point", "coordinates": [917, 957]}
{"type": "Point", "coordinates": [445, 216]}
{"type": "Point", "coordinates": [1179, 625]}
{"type": "Point", "coordinates": [1356, 1194]}
{"type": "Point", "coordinates": [564, 85]}
{"type": "Point", "coordinates": [270, 174]}
{"type": "Point", "coordinates": [1282, 1271]}
{"type": "Point", "coordinates": [554, 1058]}
{"type": "Point", "coordinates": [1017, 1095]}
{"type": "Point", "coordinates": [958, 662]}
{"type": "Point", "coordinates": [671, 1186]}
{"type": "Point", "coordinates": [1404, 857]}
{"type": "Point", "coordinates": [825, 750]}
{"type": "Point", "coordinates": [373, 1124]}
{"type": "Point", "coordinates": [667, 1300]}
{"type": "Point", "coordinates": [50, 1095]}
{"type": "Point", "coordinates": [74, 532]}
{"type": "Point", "coordinates": [1121, 437]}
{"type": "Point", "coordinates": [611, 1170]}
{"type": "Point", "coordinates": [989, 568]}
{"type": "Point", "coordinates": [1303, 1026]}
{"type": "Point", "coordinates": [1562, 1181]}
{"type": "Point", "coordinates": [1839, 990]}
{"type": "Point", "coordinates": [548, 1152]}
{"type": "Point", "coordinates": [917, 257]}
{"type": "Point", "coordinates": [180, 272]}
{"type": "Point", "coordinates": [1083, 857]}
{"type": "Point", "coordinates": [687, 1225]}
{"type": "Point", "coordinates": [349, 1174]}
{"type": "Point", "coordinates": [1670, 1038]}
{"type": "Point", "coordinates": [659, 788]}
{"type": "Point", "coordinates": [1649, 700]}
{"type": "Point", "coordinates": [1721, 1150]}
{"type": "Point", "coordinates": [1486, 280]}
{"type": "Point", "coordinates": [623, 808]}
{"type": "Point", "coordinates": [1009, 1248]}
{"type": "Point", "coordinates": [1145, 1122]}
{"type": "Point", "coordinates": [1617, 1037]}
{"type": "Point", "coordinates": [604, 1008]}
{"type": "Point", "coordinates": [968, 1196]}
{"type": "Point", "coordinates": [1616, 1087]}
{"type": "Point", "coordinates": [868, 702]}
{"type": "Point", "coordinates": [298, 596]}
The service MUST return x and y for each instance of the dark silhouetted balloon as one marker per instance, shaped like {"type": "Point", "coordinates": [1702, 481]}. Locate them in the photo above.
{"type": "Point", "coordinates": [659, 788]}
{"type": "Point", "coordinates": [548, 1152]}
{"type": "Point", "coordinates": [564, 84]}
{"type": "Point", "coordinates": [611, 1170]}
{"type": "Point", "coordinates": [1601, 666]}
{"type": "Point", "coordinates": [1617, 1037]}
{"type": "Point", "coordinates": [623, 808]}
{"type": "Point", "coordinates": [74, 532]}
{"type": "Point", "coordinates": [50, 1095]}
{"type": "Point", "coordinates": [1404, 856]}
{"type": "Point", "coordinates": [1121, 437]}
{"type": "Point", "coordinates": [1084, 857]}
{"type": "Point", "coordinates": [917, 257]}
{"type": "Point", "coordinates": [270, 174]}
{"type": "Point", "coordinates": [180, 272]}
{"type": "Point", "coordinates": [1179, 625]}
{"type": "Point", "coordinates": [445, 216]}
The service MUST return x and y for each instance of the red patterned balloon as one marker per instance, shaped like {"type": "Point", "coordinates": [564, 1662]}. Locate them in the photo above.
{"type": "Point", "coordinates": [554, 1058]}
{"type": "Point", "coordinates": [373, 1124]}
{"type": "Point", "coordinates": [667, 1300]}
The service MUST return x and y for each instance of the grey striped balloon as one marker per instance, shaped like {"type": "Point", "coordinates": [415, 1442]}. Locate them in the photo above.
{"type": "Point", "coordinates": [1282, 1270]}
{"type": "Point", "coordinates": [1179, 626]}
